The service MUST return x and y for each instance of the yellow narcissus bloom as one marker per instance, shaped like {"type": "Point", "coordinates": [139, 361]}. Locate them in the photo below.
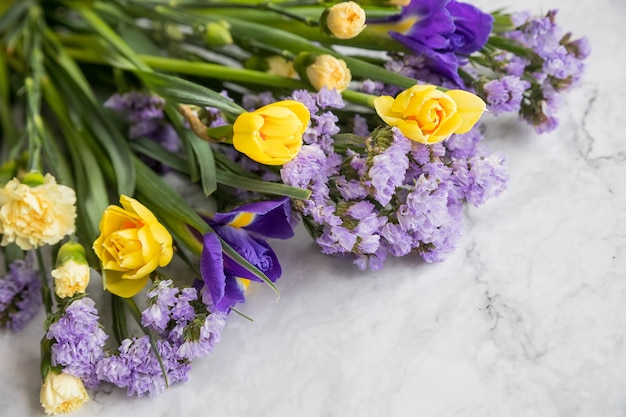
{"type": "Point", "coordinates": [330, 72]}
{"type": "Point", "coordinates": [272, 135]}
{"type": "Point", "coordinates": [62, 393]}
{"type": "Point", "coordinates": [36, 211]}
{"type": "Point", "coordinates": [72, 271]}
{"type": "Point", "coordinates": [344, 20]}
{"type": "Point", "coordinates": [427, 115]}
{"type": "Point", "coordinates": [131, 245]}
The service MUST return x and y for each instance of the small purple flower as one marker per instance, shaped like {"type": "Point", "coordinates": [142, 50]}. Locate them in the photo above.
{"type": "Point", "coordinates": [389, 167]}
{"type": "Point", "coordinates": [505, 94]}
{"type": "Point", "coordinates": [20, 294]}
{"type": "Point", "coordinates": [78, 341]}
{"type": "Point", "coordinates": [135, 367]}
{"type": "Point", "coordinates": [200, 337]}
{"type": "Point", "coordinates": [242, 229]}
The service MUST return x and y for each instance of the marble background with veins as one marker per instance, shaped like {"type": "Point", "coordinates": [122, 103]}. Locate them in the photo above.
{"type": "Point", "coordinates": [526, 319]}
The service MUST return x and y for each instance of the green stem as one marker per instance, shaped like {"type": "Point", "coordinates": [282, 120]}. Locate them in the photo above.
{"type": "Point", "coordinates": [356, 97]}
{"type": "Point", "coordinates": [46, 294]}
{"type": "Point", "coordinates": [266, 6]}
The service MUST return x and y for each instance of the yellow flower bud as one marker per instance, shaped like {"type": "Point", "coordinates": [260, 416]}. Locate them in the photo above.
{"type": "Point", "coordinates": [427, 115]}
{"type": "Point", "coordinates": [330, 72]}
{"type": "Point", "coordinates": [343, 20]}
{"type": "Point", "coordinates": [62, 393]}
{"type": "Point", "coordinates": [132, 244]}
{"type": "Point", "coordinates": [277, 65]}
{"type": "Point", "coordinates": [71, 274]}
{"type": "Point", "coordinates": [272, 135]}
{"type": "Point", "coordinates": [36, 212]}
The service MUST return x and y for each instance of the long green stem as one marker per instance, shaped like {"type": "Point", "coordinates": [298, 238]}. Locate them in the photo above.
{"type": "Point", "coordinates": [45, 288]}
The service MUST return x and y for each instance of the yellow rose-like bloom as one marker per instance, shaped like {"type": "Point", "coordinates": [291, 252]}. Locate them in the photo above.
{"type": "Point", "coordinates": [330, 72]}
{"type": "Point", "coordinates": [345, 20]}
{"type": "Point", "coordinates": [33, 216]}
{"type": "Point", "coordinates": [131, 245]}
{"type": "Point", "coordinates": [62, 393]}
{"type": "Point", "coordinates": [427, 115]}
{"type": "Point", "coordinates": [272, 135]}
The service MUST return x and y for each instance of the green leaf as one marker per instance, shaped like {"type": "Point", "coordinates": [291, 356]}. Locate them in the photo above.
{"type": "Point", "coordinates": [204, 156]}
{"type": "Point", "coordinates": [150, 148]}
{"type": "Point", "coordinates": [14, 14]}
{"type": "Point", "coordinates": [185, 92]}
{"type": "Point", "coordinates": [265, 187]}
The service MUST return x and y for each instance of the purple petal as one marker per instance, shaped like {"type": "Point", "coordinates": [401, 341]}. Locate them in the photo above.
{"type": "Point", "coordinates": [267, 218]}
{"type": "Point", "coordinates": [253, 249]}
{"type": "Point", "coordinates": [212, 267]}
{"type": "Point", "coordinates": [233, 294]}
{"type": "Point", "coordinates": [473, 27]}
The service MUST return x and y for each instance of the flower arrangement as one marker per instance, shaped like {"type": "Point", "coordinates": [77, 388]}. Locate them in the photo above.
{"type": "Point", "coordinates": [358, 119]}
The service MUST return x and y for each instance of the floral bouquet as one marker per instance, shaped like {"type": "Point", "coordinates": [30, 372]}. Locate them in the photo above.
{"type": "Point", "coordinates": [142, 133]}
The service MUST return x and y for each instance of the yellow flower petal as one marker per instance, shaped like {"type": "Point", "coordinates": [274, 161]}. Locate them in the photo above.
{"type": "Point", "coordinates": [126, 288]}
{"type": "Point", "coordinates": [469, 106]}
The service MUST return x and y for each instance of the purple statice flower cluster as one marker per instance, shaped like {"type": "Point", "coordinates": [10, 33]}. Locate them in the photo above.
{"type": "Point", "coordinates": [187, 331]}
{"type": "Point", "coordinates": [20, 294]}
{"type": "Point", "coordinates": [135, 366]}
{"type": "Point", "coordinates": [557, 64]}
{"type": "Point", "coordinates": [180, 317]}
{"type": "Point", "coordinates": [505, 94]}
{"type": "Point", "coordinates": [144, 113]}
{"type": "Point", "coordinates": [392, 196]}
{"type": "Point", "coordinates": [78, 340]}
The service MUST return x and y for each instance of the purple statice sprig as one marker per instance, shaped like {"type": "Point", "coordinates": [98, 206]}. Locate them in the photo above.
{"type": "Point", "coordinates": [390, 195]}
{"type": "Point", "coordinates": [77, 339]}
{"type": "Point", "coordinates": [20, 294]}
{"type": "Point", "coordinates": [187, 330]}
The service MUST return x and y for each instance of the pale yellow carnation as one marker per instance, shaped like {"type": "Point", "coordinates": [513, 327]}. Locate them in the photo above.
{"type": "Point", "coordinates": [36, 216]}
{"type": "Point", "coordinates": [345, 20]}
{"type": "Point", "coordinates": [330, 72]}
{"type": "Point", "coordinates": [62, 393]}
{"type": "Point", "coordinates": [70, 278]}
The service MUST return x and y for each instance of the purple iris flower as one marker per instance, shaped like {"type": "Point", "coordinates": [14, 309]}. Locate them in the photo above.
{"type": "Point", "coordinates": [444, 30]}
{"type": "Point", "coordinates": [243, 229]}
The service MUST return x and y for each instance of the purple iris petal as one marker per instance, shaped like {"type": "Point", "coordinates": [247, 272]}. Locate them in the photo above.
{"type": "Point", "coordinates": [212, 267]}
{"type": "Point", "coordinates": [270, 218]}
{"type": "Point", "coordinates": [444, 31]}
{"type": "Point", "coordinates": [252, 249]}
{"type": "Point", "coordinates": [472, 27]}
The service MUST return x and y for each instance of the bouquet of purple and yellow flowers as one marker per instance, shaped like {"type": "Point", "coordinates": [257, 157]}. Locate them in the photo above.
{"type": "Point", "coordinates": [360, 120]}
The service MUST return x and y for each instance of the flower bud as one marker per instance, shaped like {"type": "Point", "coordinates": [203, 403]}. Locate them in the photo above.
{"type": "Point", "coordinates": [343, 20]}
{"type": "Point", "coordinates": [62, 393]}
{"type": "Point", "coordinates": [324, 71]}
{"type": "Point", "coordinates": [277, 65]}
{"type": "Point", "coordinates": [218, 34]}
{"type": "Point", "coordinates": [71, 274]}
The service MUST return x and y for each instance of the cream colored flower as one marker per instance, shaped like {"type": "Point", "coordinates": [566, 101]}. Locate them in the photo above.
{"type": "Point", "coordinates": [277, 65]}
{"type": "Point", "coordinates": [36, 215]}
{"type": "Point", "coordinates": [72, 270]}
{"type": "Point", "coordinates": [62, 393]}
{"type": "Point", "coordinates": [344, 20]}
{"type": "Point", "coordinates": [330, 72]}
{"type": "Point", "coordinates": [70, 278]}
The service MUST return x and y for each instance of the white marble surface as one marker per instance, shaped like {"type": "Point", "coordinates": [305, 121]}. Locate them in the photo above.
{"type": "Point", "coordinates": [526, 318]}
